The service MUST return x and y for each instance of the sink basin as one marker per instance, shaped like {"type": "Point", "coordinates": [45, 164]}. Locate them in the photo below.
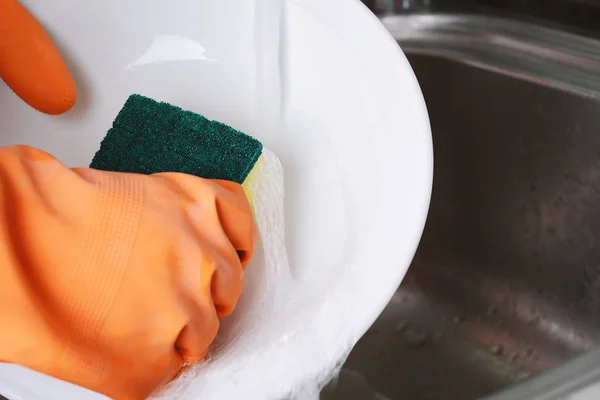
{"type": "Point", "coordinates": [506, 281]}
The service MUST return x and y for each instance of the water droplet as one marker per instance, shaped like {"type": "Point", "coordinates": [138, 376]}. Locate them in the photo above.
{"type": "Point", "coordinates": [401, 326]}
{"type": "Point", "coordinates": [497, 349]}
{"type": "Point", "coordinates": [415, 338]}
{"type": "Point", "coordinates": [528, 353]}
{"type": "Point", "coordinates": [459, 319]}
{"type": "Point", "coordinates": [491, 310]}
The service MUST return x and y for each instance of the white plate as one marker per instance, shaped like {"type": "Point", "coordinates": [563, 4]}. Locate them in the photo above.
{"type": "Point", "coordinates": [319, 82]}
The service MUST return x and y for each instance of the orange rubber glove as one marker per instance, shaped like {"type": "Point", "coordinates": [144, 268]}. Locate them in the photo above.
{"type": "Point", "coordinates": [115, 281]}
{"type": "Point", "coordinates": [30, 64]}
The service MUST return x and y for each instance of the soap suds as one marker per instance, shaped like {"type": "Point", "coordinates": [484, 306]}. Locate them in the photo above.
{"type": "Point", "coordinates": [267, 346]}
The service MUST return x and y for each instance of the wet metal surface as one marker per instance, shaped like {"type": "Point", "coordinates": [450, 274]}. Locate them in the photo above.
{"type": "Point", "coordinates": [506, 281]}
{"type": "Point", "coordinates": [576, 15]}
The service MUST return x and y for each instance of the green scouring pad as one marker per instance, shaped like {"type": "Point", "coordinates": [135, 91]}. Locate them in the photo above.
{"type": "Point", "coordinates": [149, 137]}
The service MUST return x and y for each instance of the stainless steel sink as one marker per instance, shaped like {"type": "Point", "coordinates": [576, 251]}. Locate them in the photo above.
{"type": "Point", "coordinates": [506, 281]}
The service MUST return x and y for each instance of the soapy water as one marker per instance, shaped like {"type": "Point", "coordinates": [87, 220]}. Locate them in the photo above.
{"type": "Point", "coordinates": [237, 344]}
{"type": "Point", "coordinates": [262, 332]}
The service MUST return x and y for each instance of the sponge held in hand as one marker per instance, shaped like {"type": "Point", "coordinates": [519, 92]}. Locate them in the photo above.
{"type": "Point", "coordinates": [149, 137]}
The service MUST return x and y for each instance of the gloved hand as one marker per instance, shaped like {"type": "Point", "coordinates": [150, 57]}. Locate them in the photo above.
{"type": "Point", "coordinates": [115, 281]}
{"type": "Point", "coordinates": [30, 63]}
{"type": "Point", "coordinates": [111, 281]}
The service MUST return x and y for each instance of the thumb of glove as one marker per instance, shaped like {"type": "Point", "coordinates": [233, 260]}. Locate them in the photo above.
{"type": "Point", "coordinates": [30, 64]}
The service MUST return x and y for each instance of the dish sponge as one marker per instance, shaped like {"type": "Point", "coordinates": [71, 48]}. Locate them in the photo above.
{"type": "Point", "coordinates": [149, 137]}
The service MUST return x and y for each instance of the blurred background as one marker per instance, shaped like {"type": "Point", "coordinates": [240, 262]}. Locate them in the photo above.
{"type": "Point", "coordinates": [502, 300]}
